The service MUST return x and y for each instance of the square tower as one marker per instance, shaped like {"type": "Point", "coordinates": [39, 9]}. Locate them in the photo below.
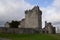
{"type": "Point", "coordinates": [33, 18]}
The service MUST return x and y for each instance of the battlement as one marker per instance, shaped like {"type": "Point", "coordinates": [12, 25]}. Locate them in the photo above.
{"type": "Point", "coordinates": [27, 11]}
{"type": "Point", "coordinates": [34, 9]}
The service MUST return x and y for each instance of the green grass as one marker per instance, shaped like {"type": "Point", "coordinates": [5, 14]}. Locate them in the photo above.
{"type": "Point", "coordinates": [31, 36]}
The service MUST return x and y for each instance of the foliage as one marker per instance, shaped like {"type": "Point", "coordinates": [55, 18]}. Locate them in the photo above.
{"type": "Point", "coordinates": [14, 24]}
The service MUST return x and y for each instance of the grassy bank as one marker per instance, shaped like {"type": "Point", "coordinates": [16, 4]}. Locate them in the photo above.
{"type": "Point", "coordinates": [31, 36]}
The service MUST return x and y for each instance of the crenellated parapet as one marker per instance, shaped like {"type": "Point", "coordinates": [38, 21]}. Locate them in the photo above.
{"type": "Point", "coordinates": [35, 9]}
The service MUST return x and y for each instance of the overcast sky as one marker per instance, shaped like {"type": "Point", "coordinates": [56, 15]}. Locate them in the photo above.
{"type": "Point", "coordinates": [14, 10]}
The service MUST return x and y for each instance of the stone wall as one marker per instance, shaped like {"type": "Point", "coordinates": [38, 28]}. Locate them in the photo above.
{"type": "Point", "coordinates": [22, 24]}
{"type": "Point", "coordinates": [18, 30]}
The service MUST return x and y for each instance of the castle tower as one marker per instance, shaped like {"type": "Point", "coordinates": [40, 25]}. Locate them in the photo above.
{"type": "Point", "coordinates": [33, 18]}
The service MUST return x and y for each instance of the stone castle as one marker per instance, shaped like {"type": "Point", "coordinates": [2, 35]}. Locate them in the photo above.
{"type": "Point", "coordinates": [32, 23]}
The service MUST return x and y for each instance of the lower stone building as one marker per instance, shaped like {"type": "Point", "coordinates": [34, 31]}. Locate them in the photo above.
{"type": "Point", "coordinates": [49, 29]}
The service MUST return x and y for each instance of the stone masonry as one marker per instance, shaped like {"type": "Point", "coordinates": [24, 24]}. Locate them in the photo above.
{"type": "Point", "coordinates": [32, 23]}
{"type": "Point", "coordinates": [49, 29]}
{"type": "Point", "coordinates": [33, 18]}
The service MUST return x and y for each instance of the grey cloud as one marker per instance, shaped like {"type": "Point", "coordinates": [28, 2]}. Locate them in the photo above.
{"type": "Point", "coordinates": [12, 10]}
{"type": "Point", "coordinates": [56, 23]}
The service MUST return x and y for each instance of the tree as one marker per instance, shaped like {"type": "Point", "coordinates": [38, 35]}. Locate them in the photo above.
{"type": "Point", "coordinates": [14, 24]}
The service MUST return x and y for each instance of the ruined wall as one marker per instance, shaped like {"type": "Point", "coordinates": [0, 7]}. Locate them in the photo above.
{"type": "Point", "coordinates": [49, 29]}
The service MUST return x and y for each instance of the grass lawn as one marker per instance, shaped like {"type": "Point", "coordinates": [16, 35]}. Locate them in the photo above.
{"type": "Point", "coordinates": [31, 36]}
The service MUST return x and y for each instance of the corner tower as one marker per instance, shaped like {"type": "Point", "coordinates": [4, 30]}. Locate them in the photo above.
{"type": "Point", "coordinates": [33, 18]}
